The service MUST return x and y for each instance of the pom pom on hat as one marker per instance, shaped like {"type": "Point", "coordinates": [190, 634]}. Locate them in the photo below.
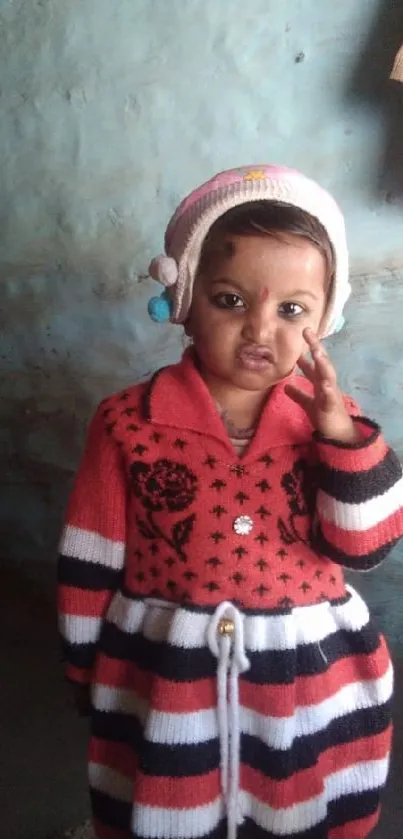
{"type": "Point", "coordinates": [164, 269]}
{"type": "Point", "coordinates": [160, 308]}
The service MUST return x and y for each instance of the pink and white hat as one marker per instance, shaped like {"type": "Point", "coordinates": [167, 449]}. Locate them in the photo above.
{"type": "Point", "coordinates": [196, 214]}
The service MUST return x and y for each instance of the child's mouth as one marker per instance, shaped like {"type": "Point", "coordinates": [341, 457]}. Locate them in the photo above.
{"type": "Point", "coordinates": [255, 358]}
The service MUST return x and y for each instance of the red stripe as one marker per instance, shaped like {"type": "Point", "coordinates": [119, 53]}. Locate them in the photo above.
{"type": "Point", "coordinates": [308, 783]}
{"type": "Point", "coordinates": [80, 601]}
{"type": "Point", "coordinates": [82, 675]}
{"type": "Point", "coordinates": [362, 542]}
{"type": "Point", "coordinates": [354, 460]}
{"type": "Point", "coordinates": [190, 792]}
{"type": "Point", "coordinates": [103, 831]}
{"type": "Point", "coordinates": [118, 756]}
{"type": "Point", "coordinates": [281, 700]}
{"type": "Point", "coordinates": [174, 792]}
{"type": "Point", "coordinates": [273, 700]}
{"type": "Point", "coordinates": [358, 829]}
{"type": "Point", "coordinates": [117, 673]}
{"type": "Point", "coordinates": [172, 697]}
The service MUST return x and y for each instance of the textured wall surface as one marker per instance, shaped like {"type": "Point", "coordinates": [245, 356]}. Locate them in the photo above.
{"type": "Point", "coordinates": [109, 113]}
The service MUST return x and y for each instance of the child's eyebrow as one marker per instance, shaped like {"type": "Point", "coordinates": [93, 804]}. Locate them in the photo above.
{"type": "Point", "coordinates": [302, 291]}
{"type": "Point", "coordinates": [227, 281]}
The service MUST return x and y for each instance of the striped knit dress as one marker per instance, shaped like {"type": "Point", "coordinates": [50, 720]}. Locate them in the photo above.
{"type": "Point", "coordinates": [239, 688]}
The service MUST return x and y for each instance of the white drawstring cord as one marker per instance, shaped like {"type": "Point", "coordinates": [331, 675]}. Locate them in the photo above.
{"type": "Point", "coordinates": [221, 645]}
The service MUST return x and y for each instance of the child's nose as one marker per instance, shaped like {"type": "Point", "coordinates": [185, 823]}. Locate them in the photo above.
{"type": "Point", "coordinates": [259, 326]}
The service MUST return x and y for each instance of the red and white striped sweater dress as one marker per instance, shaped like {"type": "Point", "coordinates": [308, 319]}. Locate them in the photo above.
{"type": "Point", "coordinates": [238, 685]}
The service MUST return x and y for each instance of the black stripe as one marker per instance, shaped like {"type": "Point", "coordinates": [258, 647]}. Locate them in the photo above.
{"type": "Point", "coordinates": [358, 487]}
{"type": "Point", "coordinates": [178, 761]}
{"type": "Point", "coordinates": [268, 667]}
{"type": "Point", "coordinates": [349, 808]}
{"type": "Point", "coordinates": [118, 728]}
{"type": "Point", "coordinates": [111, 811]}
{"type": "Point", "coordinates": [79, 655]}
{"type": "Point", "coordinates": [250, 830]}
{"type": "Point", "coordinates": [283, 667]}
{"type": "Point", "coordinates": [359, 444]}
{"type": "Point", "coordinates": [351, 561]}
{"type": "Point", "coordinates": [279, 764]}
{"type": "Point", "coordinates": [168, 662]}
{"type": "Point", "coordinates": [346, 810]}
{"type": "Point", "coordinates": [88, 575]}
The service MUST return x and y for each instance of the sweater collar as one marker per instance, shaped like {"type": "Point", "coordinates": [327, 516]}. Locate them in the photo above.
{"type": "Point", "coordinates": [178, 397]}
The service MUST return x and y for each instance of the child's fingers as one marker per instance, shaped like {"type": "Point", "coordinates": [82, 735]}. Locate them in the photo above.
{"type": "Point", "coordinates": [324, 369]}
{"type": "Point", "coordinates": [307, 368]}
{"type": "Point", "coordinates": [312, 339]}
{"type": "Point", "coordinates": [328, 397]}
{"type": "Point", "coordinates": [300, 398]}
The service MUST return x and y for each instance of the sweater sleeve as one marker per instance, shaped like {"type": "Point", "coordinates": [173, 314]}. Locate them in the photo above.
{"type": "Point", "coordinates": [92, 549]}
{"type": "Point", "coordinates": [359, 508]}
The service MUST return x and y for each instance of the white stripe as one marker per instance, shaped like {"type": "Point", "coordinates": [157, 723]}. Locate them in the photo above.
{"type": "Point", "coordinates": [185, 629]}
{"type": "Point", "coordinates": [119, 700]}
{"type": "Point", "coordinates": [173, 729]}
{"type": "Point", "coordinates": [280, 732]}
{"type": "Point", "coordinates": [164, 823]}
{"type": "Point", "coordinates": [91, 547]}
{"type": "Point", "coordinates": [111, 782]}
{"type": "Point", "coordinates": [361, 516]}
{"type": "Point", "coordinates": [355, 779]}
{"type": "Point", "coordinates": [79, 630]}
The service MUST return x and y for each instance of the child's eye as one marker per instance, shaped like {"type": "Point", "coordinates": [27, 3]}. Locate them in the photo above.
{"type": "Point", "coordinates": [226, 300]}
{"type": "Point", "coordinates": [291, 310]}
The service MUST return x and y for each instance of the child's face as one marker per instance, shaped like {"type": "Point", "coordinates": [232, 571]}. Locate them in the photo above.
{"type": "Point", "coordinates": [251, 305]}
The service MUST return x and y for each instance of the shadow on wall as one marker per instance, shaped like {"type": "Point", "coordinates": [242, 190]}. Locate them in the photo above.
{"type": "Point", "coordinates": [370, 85]}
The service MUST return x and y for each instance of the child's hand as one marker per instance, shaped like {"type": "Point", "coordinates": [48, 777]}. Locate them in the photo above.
{"type": "Point", "coordinates": [326, 408]}
{"type": "Point", "coordinates": [82, 699]}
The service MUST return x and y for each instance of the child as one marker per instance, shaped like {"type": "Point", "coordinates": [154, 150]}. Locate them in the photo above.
{"type": "Point", "coordinates": [238, 687]}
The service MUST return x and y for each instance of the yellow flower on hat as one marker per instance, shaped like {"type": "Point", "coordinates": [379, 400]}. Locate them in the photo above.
{"type": "Point", "coordinates": [255, 175]}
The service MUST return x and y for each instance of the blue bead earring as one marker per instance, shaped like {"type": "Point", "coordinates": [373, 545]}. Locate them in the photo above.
{"type": "Point", "coordinates": [160, 308]}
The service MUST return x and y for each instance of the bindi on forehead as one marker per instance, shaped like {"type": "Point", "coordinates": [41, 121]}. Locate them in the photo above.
{"type": "Point", "coordinates": [264, 295]}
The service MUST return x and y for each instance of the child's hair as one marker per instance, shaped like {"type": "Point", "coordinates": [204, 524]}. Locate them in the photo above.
{"type": "Point", "coordinates": [267, 218]}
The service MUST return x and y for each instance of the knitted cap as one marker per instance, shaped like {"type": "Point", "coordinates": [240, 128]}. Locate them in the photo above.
{"type": "Point", "coordinates": [196, 214]}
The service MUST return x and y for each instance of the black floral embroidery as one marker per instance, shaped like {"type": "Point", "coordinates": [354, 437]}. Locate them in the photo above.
{"type": "Point", "coordinates": [263, 512]}
{"type": "Point", "coordinates": [285, 602]}
{"type": "Point", "coordinates": [218, 511]}
{"type": "Point", "coordinates": [267, 460]}
{"type": "Point", "coordinates": [299, 487]}
{"type": "Point", "coordinates": [262, 564]}
{"type": "Point", "coordinates": [214, 561]}
{"type": "Point", "coordinates": [261, 590]}
{"type": "Point", "coordinates": [165, 486]}
{"type": "Point", "coordinates": [140, 449]}
{"type": "Point", "coordinates": [238, 578]}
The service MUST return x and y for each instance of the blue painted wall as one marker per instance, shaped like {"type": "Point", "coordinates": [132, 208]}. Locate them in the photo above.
{"type": "Point", "coordinates": [110, 113]}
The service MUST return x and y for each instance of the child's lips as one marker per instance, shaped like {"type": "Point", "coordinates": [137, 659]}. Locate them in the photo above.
{"type": "Point", "coordinates": [255, 358]}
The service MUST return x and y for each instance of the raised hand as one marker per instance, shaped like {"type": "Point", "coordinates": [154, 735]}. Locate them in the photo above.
{"type": "Point", "coordinates": [325, 407]}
